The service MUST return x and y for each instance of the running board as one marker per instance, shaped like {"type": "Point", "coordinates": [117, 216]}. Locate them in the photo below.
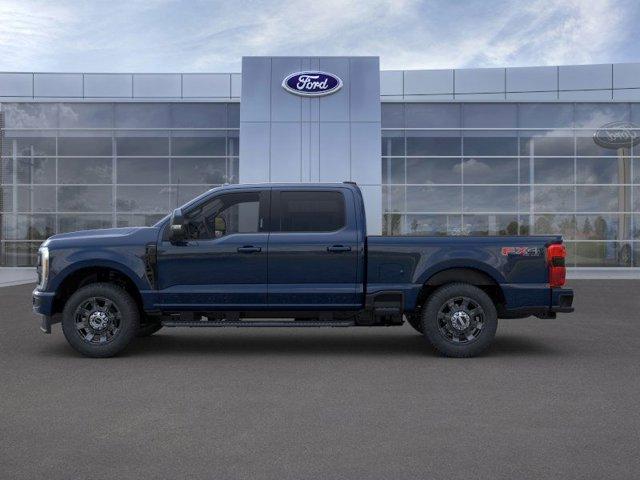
{"type": "Point", "coordinates": [253, 323]}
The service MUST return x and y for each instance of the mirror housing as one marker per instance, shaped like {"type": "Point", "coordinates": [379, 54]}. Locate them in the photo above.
{"type": "Point", "coordinates": [177, 231]}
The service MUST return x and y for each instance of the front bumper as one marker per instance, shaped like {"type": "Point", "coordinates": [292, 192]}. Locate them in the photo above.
{"type": "Point", "coordinates": [42, 304]}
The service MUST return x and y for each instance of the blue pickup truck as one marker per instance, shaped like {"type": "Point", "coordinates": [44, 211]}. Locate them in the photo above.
{"type": "Point", "coordinates": [290, 255]}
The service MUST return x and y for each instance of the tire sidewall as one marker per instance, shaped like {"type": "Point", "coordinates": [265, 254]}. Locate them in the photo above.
{"type": "Point", "coordinates": [129, 321]}
{"type": "Point", "coordinates": [430, 322]}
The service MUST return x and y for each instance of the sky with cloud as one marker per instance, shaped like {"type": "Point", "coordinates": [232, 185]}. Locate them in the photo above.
{"type": "Point", "coordinates": [212, 36]}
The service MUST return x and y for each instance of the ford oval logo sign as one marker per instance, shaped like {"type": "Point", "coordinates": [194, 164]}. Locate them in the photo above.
{"type": "Point", "coordinates": [617, 135]}
{"type": "Point", "coordinates": [312, 83]}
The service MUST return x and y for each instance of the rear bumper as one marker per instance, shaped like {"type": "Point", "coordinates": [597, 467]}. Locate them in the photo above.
{"type": "Point", "coordinates": [561, 301]}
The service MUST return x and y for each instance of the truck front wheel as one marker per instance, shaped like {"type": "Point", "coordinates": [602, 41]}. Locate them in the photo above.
{"type": "Point", "coordinates": [100, 319]}
{"type": "Point", "coordinates": [459, 320]}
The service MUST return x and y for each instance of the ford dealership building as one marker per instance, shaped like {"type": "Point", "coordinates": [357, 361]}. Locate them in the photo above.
{"type": "Point", "coordinates": [496, 151]}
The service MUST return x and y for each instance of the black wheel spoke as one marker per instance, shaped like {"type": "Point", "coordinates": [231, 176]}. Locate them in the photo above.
{"type": "Point", "coordinates": [97, 320]}
{"type": "Point", "coordinates": [460, 319]}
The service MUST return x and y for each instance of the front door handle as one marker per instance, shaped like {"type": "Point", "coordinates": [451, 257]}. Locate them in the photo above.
{"type": "Point", "coordinates": [249, 249]}
{"type": "Point", "coordinates": [338, 248]}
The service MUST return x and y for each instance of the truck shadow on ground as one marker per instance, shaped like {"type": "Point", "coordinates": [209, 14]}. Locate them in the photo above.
{"type": "Point", "coordinates": [279, 344]}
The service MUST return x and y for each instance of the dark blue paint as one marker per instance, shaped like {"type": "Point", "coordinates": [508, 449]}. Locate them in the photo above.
{"type": "Point", "coordinates": [294, 271]}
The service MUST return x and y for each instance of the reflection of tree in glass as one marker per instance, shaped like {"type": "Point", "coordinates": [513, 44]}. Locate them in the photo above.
{"type": "Point", "coordinates": [512, 228]}
{"type": "Point", "coordinates": [587, 229]}
{"type": "Point", "coordinates": [414, 225]}
{"type": "Point", "coordinates": [600, 226]}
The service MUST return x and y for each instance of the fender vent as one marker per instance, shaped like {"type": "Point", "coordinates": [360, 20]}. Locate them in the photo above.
{"type": "Point", "coordinates": [150, 261]}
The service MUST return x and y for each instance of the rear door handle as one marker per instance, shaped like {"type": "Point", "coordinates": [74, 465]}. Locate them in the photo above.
{"type": "Point", "coordinates": [249, 249]}
{"type": "Point", "coordinates": [339, 248]}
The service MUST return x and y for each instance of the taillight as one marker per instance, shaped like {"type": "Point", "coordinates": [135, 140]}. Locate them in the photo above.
{"type": "Point", "coordinates": [556, 254]}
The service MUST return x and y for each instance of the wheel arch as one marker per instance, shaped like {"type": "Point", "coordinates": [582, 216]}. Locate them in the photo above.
{"type": "Point", "coordinates": [73, 278]}
{"type": "Point", "coordinates": [470, 275]}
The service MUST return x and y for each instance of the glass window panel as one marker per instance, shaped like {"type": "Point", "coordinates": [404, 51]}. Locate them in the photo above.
{"type": "Point", "coordinates": [211, 145]}
{"type": "Point", "coordinates": [83, 115]}
{"type": "Point", "coordinates": [145, 146]}
{"type": "Point", "coordinates": [392, 115]}
{"type": "Point", "coordinates": [6, 170]}
{"type": "Point", "coordinates": [144, 199]}
{"type": "Point", "coordinates": [434, 170]}
{"type": "Point", "coordinates": [524, 199]}
{"type": "Point", "coordinates": [488, 115]}
{"type": "Point", "coordinates": [585, 145]}
{"type": "Point", "coordinates": [76, 222]}
{"type": "Point", "coordinates": [598, 114]}
{"type": "Point", "coordinates": [603, 254]}
{"type": "Point", "coordinates": [233, 170]}
{"type": "Point", "coordinates": [199, 115]}
{"type": "Point", "coordinates": [525, 170]}
{"type": "Point", "coordinates": [233, 112]}
{"type": "Point", "coordinates": [433, 143]}
{"type": "Point", "coordinates": [85, 170]}
{"type": "Point", "coordinates": [30, 227]}
{"type": "Point", "coordinates": [636, 254]}
{"type": "Point", "coordinates": [182, 194]}
{"type": "Point", "coordinates": [392, 224]}
{"type": "Point", "coordinates": [393, 170]}
{"type": "Point", "coordinates": [636, 199]}
{"type": "Point", "coordinates": [603, 227]}
{"type": "Point", "coordinates": [490, 224]}
{"type": "Point", "coordinates": [636, 170]}
{"type": "Point", "coordinates": [491, 144]}
{"type": "Point", "coordinates": [636, 227]}
{"type": "Point", "coordinates": [553, 170]}
{"type": "Point", "coordinates": [19, 254]}
{"type": "Point", "coordinates": [37, 199]}
{"type": "Point", "coordinates": [432, 115]}
{"type": "Point", "coordinates": [490, 170]}
{"type": "Point", "coordinates": [305, 212]}
{"type": "Point", "coordinates": [393, 199]}
{"type": "Point", "coordinates": [36, 170]}
{"type": "Point", "coordinates": [198, 170]}
{"type": "Point", "coordinates": [490, 199]}
{"type": "Point", "coordinates": [30, 115]}
{"type": "Point", "coordinates": [603, 199]}
{"type": "Point", "coordinates": [545, 115]}
{"type": "Point", "coordinates": [434, 199]}
{"type": "Point", "coordinates": [603, 170]}
{"type": "Point", "coordinates": [392, 143]}
{"type": "Point", "coordinates": [6, 199]}
{"type": "Point", "coordinates": [85, 199]}
{"type": "Point", "coordinates": [546, 144]}
{"type": "Point", "coordinates": [138, 220]}
{"type": "Point", "coordinates": [142, 170]}
{"type": "Point", "coordinates": [554, 199]}
{"type": "Point", "coordinates": [564, 225]}
{"type": "Point", "coordinates": [142, 115]}
{"type": "Point", "coordinates": [90, 146]}
{"type": "Point", "coordinates": [233, 143]}
{"type": "Point", "coordinates": [434, 225]}
{"type": "Point", "coordinates": [29, 146]}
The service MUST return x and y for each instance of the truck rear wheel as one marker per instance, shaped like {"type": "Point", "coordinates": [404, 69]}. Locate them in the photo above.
{"type": "Point", "coordinates": [459, 320]}
{"type": "Point", "coordinates": [100, 319]}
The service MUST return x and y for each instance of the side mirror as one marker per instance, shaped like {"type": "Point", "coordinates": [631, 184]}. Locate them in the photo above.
{"type": "Point", "coordinates": [177, 230]}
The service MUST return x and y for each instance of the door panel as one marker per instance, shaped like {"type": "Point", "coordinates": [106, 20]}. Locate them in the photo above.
{"type": "Point", "coordinates": [225, 266]}
{"type": "Point", "coordinates": [313, 269]}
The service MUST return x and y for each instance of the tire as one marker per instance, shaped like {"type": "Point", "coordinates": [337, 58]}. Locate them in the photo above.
{"type": "Point", "coordinates": [459, 320]}
{"type": "Point", "coordinates": [148, 327]}
{"type": "Point", "coordinates": [415, 320]}
{"type": "Point", "coordinates": [108, 320]}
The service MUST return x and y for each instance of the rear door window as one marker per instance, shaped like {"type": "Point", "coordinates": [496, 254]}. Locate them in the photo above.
{"type": "Point", "coordinates": [311, 211]}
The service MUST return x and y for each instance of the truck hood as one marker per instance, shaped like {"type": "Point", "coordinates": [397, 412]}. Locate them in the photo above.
{"type": "Point", "coordinates": [105, 236]}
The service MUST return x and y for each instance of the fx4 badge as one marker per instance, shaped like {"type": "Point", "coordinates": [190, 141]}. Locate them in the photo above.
{"type": "Point", "coordinates": [523, 251]}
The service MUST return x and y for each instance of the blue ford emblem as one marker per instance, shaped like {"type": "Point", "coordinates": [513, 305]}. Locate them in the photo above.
{"type": "Point", "coordinates": [312, 84]}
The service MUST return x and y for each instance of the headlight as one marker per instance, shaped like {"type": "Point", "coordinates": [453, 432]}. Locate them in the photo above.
{"type": "Point", "coordinates": [43, 267]}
